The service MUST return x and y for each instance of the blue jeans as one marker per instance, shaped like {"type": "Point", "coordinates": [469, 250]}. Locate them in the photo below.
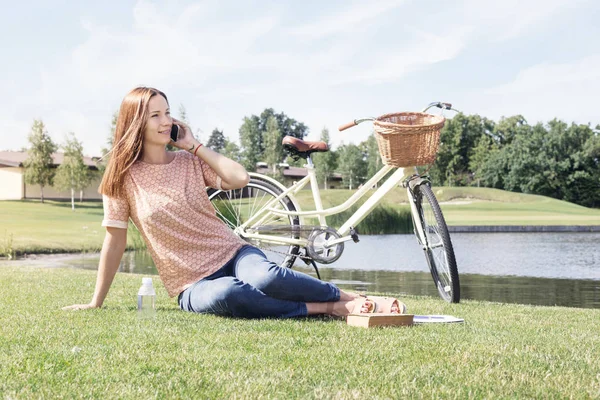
{"type": "Point", "coordinates": [251, 286]}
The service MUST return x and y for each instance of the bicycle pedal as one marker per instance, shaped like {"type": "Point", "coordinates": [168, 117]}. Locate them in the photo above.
{"type": "Point", "coordinates": [354, 235]}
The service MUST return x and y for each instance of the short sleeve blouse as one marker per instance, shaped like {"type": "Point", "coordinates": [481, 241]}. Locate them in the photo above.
{"type": "Point", "coordinates": [169, 205]}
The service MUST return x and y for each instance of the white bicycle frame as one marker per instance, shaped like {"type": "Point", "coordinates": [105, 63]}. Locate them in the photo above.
{"type": "Point", "coordinates": [320, 213]}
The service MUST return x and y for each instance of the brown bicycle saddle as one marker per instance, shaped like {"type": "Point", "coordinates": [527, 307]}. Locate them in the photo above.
{"type": "Point", "coordinates": [302, 148]}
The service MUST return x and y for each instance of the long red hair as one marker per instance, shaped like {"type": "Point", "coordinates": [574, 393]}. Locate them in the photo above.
{"type": "Point", "coordinates": [128, 139]}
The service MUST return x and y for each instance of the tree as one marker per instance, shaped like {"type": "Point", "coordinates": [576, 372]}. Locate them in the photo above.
{"type": "Point", "coordinates": [295, 162]}
{"type": "Point", "coordinates": [480, 155]}
{"type": "Point", "coordinates": [556, 160]}
{"type": "Point", "coordinates": [509, 128]}
{"type": "Point", "coordinates": [103, 162]}
{"type": "Point", "coordinates": [183, 117]}
{"type": "Point", "coordinates": [232, 151]}
{"type": "Point", "coordinates": [38, 165]}
{"type": "Point", "coordinates": [252, 135]}
{"type": "Point", "coordinates": [587, 180]}
{"type": "Point", "coordinates": [457, 140]}
{"type": "Point", "coordinates": [352, 165]}
{"type": "Point", "coordinates": [374, 162]}
{"type": "Point", "coordinates": [216, 141]}
{"type": "Point", "coordinates": [504, 167]}
{"type": "Point", "coordinates": [560, 165]}
{"type": "Point", "coordinates": [273, 152]}
{"type": "Point", "coordinates": [287, 126]}
{"type": "Point", "coordinates": [325, 163]}
{"type": "Point", "coordinates": [73, 174]}
{"type": "Point", "coordinates": [250, 138]}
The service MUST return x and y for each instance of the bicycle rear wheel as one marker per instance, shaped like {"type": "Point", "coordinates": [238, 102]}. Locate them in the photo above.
{"type": "Point", "coordinates": [235, 207]}
{"type": "Point", "coordinates": [438, 247]}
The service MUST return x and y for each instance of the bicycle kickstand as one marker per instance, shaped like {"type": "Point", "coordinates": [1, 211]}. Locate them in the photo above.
{"type": "Point", "coordinates": [316, 269]}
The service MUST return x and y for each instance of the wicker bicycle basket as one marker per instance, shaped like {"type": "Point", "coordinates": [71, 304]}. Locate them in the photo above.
{"type": "Point", "coordinates": [408, 139]}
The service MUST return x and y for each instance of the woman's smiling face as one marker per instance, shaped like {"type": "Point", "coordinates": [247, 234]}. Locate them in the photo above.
{"type": "Point", "coordinates": [159, 122]}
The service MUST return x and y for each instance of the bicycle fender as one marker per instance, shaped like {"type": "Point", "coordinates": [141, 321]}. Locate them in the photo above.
{"type": "Point", "coordinates": [418, 181]}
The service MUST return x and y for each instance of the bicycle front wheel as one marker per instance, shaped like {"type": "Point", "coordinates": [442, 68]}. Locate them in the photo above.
{"type": "Point", "coordinates": [438, 247]}
{"type": "Point", "coordinates": [234, 207]}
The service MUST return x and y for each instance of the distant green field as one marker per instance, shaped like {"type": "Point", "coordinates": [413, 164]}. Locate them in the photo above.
{"type": "Point", "coordinates": [32, 227]}
{"type": "Point", "coordinates": [52, 227]}
{"type": "Point", "coordinates": [482, 206]}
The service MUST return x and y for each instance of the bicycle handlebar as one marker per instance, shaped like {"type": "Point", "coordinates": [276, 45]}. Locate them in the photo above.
{"type": "Point", "coordinates": [438, 104]}
{"type": "Point", "coordinates": [354, 123]}
{"type": "Point", "coordinates": [347, 126]}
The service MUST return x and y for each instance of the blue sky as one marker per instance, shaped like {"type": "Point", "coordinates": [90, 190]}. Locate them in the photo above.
{"type": "Point", "coordinates": [324, 63]}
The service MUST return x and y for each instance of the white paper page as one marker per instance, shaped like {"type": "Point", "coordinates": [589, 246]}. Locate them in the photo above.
{"type": "Point", "coordinates": [423, 319]}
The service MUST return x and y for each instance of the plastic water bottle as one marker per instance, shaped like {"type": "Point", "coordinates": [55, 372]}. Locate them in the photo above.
{"type": "Point", "coordinates": [146, 296]}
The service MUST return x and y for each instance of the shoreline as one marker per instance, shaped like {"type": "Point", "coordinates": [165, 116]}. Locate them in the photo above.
{"type": "Point", "coordinates": [49, 253]}
{"type": "Point", "coordinates": [522, 228]}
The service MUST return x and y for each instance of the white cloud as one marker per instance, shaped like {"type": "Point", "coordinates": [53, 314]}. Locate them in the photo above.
{"type": "Point", "coordinates": [544, 91]}
{"type": "Point", "coordinates": [542, 76]}
{"type": "Point", "coordinates": [427, 48]}
{"type": "Point", "coordinates": [508, 19]}
{"type": "Point", "coordinates": [348, 20]}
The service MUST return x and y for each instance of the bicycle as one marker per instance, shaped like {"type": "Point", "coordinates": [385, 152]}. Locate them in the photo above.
{"type": "Point", "coordinates": [266, 213]}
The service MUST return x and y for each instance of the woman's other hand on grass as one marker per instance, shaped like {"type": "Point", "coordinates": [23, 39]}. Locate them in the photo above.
{"type": "Point", "coordinates": [76, 307]}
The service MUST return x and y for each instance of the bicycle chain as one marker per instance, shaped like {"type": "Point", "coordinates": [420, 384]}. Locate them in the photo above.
{"type": "Point", "coordinates": [304, 257]}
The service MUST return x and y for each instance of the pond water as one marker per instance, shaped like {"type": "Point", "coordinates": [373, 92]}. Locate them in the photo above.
{"type": "Point", "coordinates": [528, 268]}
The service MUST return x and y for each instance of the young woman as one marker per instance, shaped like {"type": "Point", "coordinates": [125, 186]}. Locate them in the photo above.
{"type": "Point", "coordinates": [199, 259]}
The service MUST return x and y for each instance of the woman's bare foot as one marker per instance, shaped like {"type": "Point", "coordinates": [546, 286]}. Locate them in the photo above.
{"type": "Point", "coordinates": [336, 308]}
{"type": "Point", "coordinates": [346, 296]}
{"type": "Point", "coordinates": [342, 308]}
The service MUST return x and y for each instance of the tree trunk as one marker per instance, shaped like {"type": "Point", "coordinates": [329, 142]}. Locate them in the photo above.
{"type": "Point", "coordinates": [81, 196]}
{"type": "Point", "coordinates": [42, 193]}
{"type": "Point", "coordinates": [325, 183]}
{"type": "Point", "coordinates": [72, 199]}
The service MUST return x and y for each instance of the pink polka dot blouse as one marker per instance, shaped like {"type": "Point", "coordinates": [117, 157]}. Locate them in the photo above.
{"type": "Point", "coordinates": [169, 206]}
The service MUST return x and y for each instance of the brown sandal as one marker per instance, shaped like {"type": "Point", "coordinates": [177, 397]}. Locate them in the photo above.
{"type": "Point", "coordinates": [360, 302]}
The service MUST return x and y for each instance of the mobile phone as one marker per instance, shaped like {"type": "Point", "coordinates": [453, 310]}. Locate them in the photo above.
{"type": "Point", "coordinates": [174, 132]}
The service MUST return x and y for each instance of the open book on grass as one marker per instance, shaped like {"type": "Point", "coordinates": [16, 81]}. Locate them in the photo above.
{"type": "Point", "coordinates": [423, 319]}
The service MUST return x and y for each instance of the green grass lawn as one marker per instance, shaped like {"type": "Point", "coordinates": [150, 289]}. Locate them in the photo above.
{"type": "Point", "coordinates": [502, 351]}
{"type": "Point", "coordinates": [32, 227]}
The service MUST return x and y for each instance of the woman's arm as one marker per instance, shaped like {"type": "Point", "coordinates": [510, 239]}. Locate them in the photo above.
{"type": "Point", "coordinates": [233, 175]}
{"type": "Point", "coordinates": [113, 248]}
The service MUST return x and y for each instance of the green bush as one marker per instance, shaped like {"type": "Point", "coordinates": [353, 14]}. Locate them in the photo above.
{"type": "Point", "coordinates": [384, 219]}
{"type": "Point", "coordinates": [6, 247]}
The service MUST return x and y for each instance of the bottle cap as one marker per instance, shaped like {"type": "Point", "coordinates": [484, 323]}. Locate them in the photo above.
{"type": "Point", "coordinates": [147, 281]}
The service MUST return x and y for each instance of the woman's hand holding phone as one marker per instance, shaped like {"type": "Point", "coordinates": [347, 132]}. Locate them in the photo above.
{"type": "Point", "coordinates": [174, 132]}
{"type": "Point", "coordinates": [185, 139]}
